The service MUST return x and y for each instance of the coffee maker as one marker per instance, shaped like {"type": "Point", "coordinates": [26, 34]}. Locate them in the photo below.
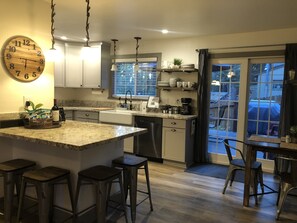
{"type": "Point", "coordinates": [186, 108]}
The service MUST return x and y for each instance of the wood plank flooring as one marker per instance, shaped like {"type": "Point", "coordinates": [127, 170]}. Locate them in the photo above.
{"type": "Point", "coordinates": [181, 197]}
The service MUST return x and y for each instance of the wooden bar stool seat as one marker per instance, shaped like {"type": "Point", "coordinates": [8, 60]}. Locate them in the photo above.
{"type": "Point", "coordinates": [131, 164]}
{"type": "Point", "coordinates": [44, 180]}
{"type": "Point", "coordinates": [12, 171]}
{"type": "Point", "coordinates": [101, 177]}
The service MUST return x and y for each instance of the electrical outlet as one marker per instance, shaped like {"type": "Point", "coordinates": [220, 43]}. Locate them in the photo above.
{"type": "Point", "coordinates": [26, 101]}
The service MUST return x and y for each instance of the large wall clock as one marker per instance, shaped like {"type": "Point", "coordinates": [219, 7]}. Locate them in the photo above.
{"type": "Point", "coordinates": [23, 58]}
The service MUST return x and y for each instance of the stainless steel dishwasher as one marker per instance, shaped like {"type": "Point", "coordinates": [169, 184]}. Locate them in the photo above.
{"type": "Point", "coordinates": [149, 144]}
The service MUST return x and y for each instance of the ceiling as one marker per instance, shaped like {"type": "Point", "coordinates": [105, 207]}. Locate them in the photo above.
{"type": "Point", "coordinates": [125, 19]}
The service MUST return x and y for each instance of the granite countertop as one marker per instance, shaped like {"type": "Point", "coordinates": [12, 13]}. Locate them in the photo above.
{"type": "Point", "coordinates": [164, 115]}
{"type": "Point", "coordinates": [97, 109]}
{"type": "Point", "coordinates": [136, 113]}
{"type": "Point", "coordinates": [73, 135]}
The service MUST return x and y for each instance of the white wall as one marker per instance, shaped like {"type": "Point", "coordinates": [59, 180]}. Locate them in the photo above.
{"type": "Point", "coordinates": [184, 48]}
{"type": "Point", "coordinates": [29, 18]}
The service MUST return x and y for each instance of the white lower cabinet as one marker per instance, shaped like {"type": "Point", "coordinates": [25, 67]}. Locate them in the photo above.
{"type": "Point", "coordinates": [178, 140]}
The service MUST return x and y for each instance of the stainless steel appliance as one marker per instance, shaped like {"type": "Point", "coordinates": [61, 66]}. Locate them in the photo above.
{"type": "Point", "coordinates": [149, 144]}
{"type": "Point", "coordinates": [186, 108]}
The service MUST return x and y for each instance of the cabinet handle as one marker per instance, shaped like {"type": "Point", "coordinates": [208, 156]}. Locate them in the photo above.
{"type": "Point", "coordinates": [173, 123]}
{"type": "Point", "coordinates": [173, 130]}
{"type": "Point", "coordinates": [87, 115]}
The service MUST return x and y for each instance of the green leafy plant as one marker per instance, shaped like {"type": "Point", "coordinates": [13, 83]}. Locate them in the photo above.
{"type": "Point", "coordinates": [35, 111]}
{"type": "Point", "coordinates": [177, 61]}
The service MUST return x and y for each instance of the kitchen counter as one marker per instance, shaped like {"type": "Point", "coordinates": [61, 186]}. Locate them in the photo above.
{"type": "Point", "coordinates": [72, 134]}
{"type": "Point", "coordinates": [164, 115]}
{"type": "Point", "coordinates": [135, 113]}
{"type": "Point", "coordinates": [87, 108]}
{"type": "Point", "coordinates": [74, 146]}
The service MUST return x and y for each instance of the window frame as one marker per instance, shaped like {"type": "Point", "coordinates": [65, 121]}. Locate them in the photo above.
{"type": "Point", "coordinates": [141, 57]}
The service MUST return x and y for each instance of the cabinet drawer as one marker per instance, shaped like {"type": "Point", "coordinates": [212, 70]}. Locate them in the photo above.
{"type": "Point", "coordinates": [87, 120]}
{"type": "Point", "coordinates": [174, 123]}
{"type": "Point", "coordinates": [86, 115]}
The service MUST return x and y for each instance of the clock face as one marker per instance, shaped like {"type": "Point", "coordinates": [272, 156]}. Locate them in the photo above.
{"type": "Point", "coordinates": [23, 58]}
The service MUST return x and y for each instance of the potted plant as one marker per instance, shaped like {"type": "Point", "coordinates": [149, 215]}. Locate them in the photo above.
{"type": "Point", "coordinates": [36, 116]}
{"type": "Point", "coordinates": [293, 133]}
{"type": "Point", "coordinates": [177, 62]}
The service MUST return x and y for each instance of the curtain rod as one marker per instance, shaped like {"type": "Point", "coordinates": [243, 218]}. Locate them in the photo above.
{"type": "Point", "coordinates": [240, 47]}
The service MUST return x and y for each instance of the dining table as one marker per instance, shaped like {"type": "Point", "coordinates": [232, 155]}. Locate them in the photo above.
{"type": "Point", "coordinates": [264, 144]}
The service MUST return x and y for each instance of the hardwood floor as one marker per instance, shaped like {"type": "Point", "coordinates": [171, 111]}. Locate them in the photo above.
{"type": "Point", "coordinates": [181, 197]}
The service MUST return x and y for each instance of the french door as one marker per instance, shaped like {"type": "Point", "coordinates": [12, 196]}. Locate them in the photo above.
{"type": "Point", "coordinates": [245, 97]}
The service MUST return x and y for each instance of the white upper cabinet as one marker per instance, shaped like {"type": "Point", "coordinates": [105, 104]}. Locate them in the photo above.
{"type": "Point", "coordinates": [79, 73]}
{"type": "Point", "coordinates": [73, 66]}
{"type": "Point", "coordinates": [92, 69]}
{"type": "Point", "coordinates": [60, 66]}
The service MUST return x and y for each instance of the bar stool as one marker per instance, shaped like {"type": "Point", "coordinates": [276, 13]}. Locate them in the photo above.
{"type": "Point", "coordinates": [130, 165]}
{"type": "Point", "coordinates": [101, 177]}
{"type": "Point", "coordinates": [44, 180]}
{"type": "Point", "coordinates": [12, 171]}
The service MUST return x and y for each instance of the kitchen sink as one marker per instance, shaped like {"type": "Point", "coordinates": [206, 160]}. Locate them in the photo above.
{"type": "Point", "coordinates": [116, 116]}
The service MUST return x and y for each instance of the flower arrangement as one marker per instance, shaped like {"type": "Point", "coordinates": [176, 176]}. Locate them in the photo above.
{"type": "Point", "coordinates": [36, 116]}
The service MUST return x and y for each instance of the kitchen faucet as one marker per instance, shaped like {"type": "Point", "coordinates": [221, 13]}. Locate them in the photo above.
{"type": "Point", "coordinates": [130, 107]}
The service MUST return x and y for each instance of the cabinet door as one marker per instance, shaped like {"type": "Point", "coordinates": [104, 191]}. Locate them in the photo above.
{"type": "Point", "coordinates": [174, 144]}
{"type": "Point", "coordinates": [60, 66]}
{"type": "Point", "coordinates": [73, 68]}
{"type": "Point", "coordinates": [68, 114]}
{"type": "Point", "coordinates": [92, 69]}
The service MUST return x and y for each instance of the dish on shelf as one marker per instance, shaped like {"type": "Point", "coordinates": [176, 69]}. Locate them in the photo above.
{"type": "Point", "coordinates": [189, 66]}
{"type": "Point", "coordinates": [163, 83]}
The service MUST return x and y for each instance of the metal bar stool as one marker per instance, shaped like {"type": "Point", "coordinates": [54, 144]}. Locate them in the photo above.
{"type": "Point", "coordinates": [101, 177]}
{"type": "Point", "coordinates": [12, 171]}
{"type": "Point", "coordinates": [130, 165]}
{"type": "Point", "coordinates": [44, 180]}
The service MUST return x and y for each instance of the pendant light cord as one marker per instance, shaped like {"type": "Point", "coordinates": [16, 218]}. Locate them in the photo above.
{"type": "Point", "coordinates": [114, 49]}
{"type": "Point", "coordinates": [137, 46]}
{"type": "Point", "coordinates": [87, 23]}
{"type": "Point", "coordinates": [52, 25]}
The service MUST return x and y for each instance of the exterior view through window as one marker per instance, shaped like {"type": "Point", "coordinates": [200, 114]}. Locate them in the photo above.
{"type": "Point", "coordinates": [263, 102]}
{"type": "Point", "coordinates": [142, 83]}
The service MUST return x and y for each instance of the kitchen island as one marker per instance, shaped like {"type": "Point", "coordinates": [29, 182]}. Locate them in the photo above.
{"type": "Point", "coordinates": [74, 146]}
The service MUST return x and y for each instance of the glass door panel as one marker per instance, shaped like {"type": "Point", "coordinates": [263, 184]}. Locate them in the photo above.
{"type": "Point", "coordinates": [223, 107]}
{"type": "Point", "coordinates": [265, 94]}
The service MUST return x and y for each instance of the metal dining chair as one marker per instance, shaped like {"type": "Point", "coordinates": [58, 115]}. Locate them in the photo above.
{"type": "Point", "coordinates": [287, 171]}
{"type": "Point", "coordinates": [239, 164]}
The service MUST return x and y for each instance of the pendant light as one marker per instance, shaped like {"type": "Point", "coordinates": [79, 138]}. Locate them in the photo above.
{"type": "Point", "coordinates": [230, 73]}
{"type": "Point", "coordinates": [114, 66]}
{"type": "Point", "coordinates": [52, 54]}
{"type": "Point", "coordinates": [87, 52]}
{"type": "Point", "coordinates": [136, 66]}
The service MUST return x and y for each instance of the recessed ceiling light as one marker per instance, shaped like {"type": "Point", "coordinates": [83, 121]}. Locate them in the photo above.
{"type": "Point", "coordinates": [64, 37]}
{"type": "Point", "coordinates": [164, 31]}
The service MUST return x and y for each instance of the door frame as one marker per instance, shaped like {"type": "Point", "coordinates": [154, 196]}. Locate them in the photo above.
{"type": "Point", "coordinates": [268, 165]}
